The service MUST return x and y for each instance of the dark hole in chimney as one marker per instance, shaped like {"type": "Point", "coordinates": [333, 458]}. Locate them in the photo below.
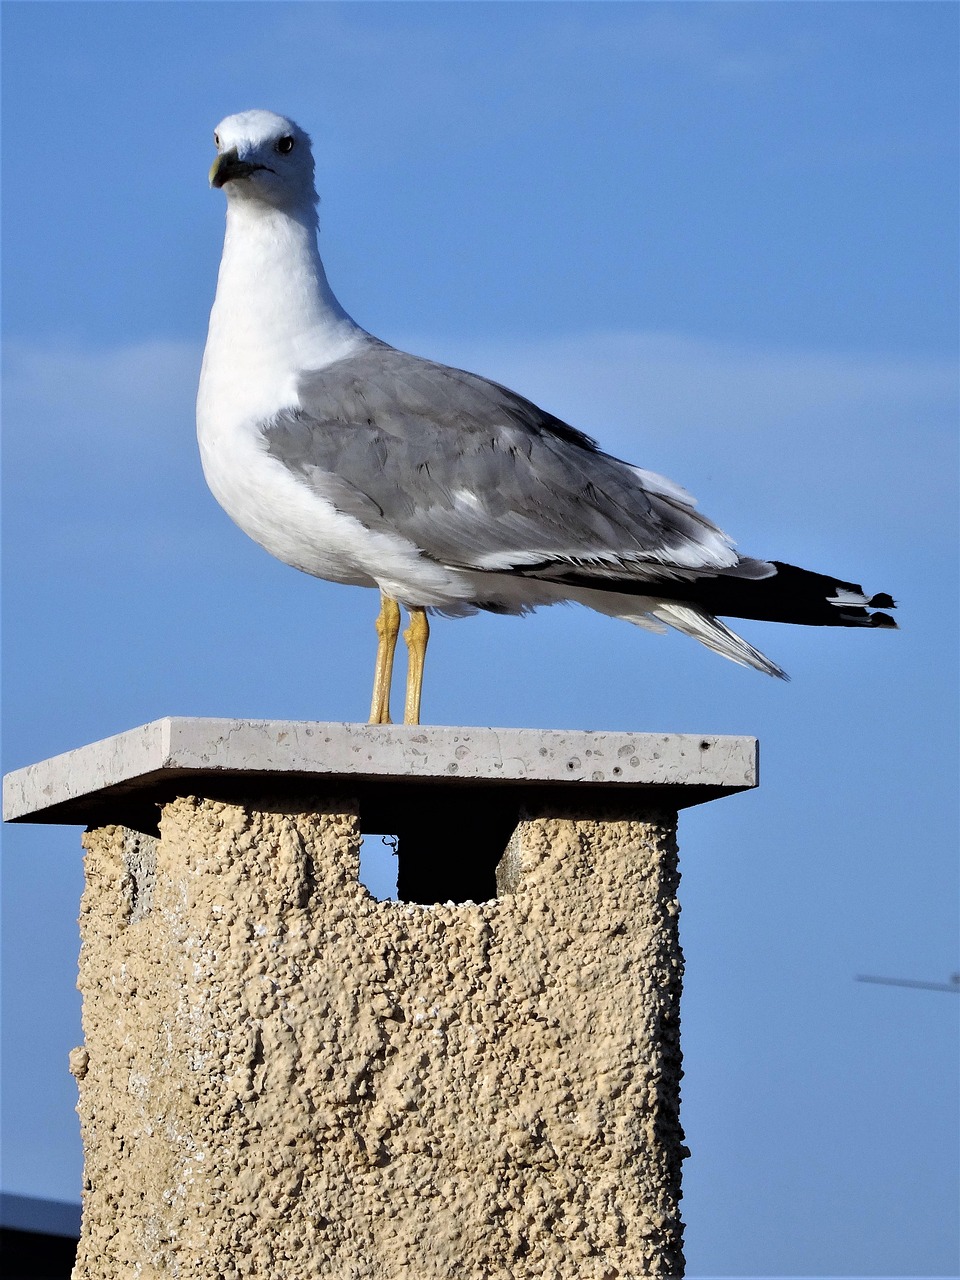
{"type": "Point", "coordinates": [444, 843]}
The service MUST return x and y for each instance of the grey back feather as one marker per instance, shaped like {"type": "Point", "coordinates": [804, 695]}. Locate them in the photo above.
{"type": "Point", "coordinates": [478, 477]}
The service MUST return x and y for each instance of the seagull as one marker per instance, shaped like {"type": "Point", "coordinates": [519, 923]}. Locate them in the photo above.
{"type": "Point", "coordinates": [358, 463]}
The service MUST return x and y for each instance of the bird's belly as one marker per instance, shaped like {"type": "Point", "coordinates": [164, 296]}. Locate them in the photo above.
{"type": "Point", "coordinates": [296, 523]}
{"type": "Point", "coordinates": [281, 513]}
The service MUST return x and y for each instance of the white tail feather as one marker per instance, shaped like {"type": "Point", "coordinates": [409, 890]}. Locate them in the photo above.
{"type": "Point", "coordinates": [711, 632]}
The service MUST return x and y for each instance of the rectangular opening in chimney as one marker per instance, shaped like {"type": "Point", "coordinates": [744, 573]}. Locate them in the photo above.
{"type": "Point", "coordinates": [443, 844]}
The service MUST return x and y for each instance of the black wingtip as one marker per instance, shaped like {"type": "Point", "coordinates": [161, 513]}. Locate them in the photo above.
{"type": "Point", "coordinates": [882, 601]}
{"type": "Point", "coordinates": [883, 620]}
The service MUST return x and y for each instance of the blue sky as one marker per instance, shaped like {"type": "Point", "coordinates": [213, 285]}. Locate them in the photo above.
{"type": "Point", "coordinates": [721, 238]}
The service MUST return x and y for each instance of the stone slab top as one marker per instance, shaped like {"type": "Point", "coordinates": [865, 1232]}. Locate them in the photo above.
{"type": "Point", "coordinates": [137, 770]}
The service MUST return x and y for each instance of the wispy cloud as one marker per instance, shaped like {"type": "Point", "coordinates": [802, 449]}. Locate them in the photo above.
{"type": "Point", "coordinates": [706, 40]}
{"type": "Point", "coordinates": [422, 67]}
{"type": "Point", "coordinates": [63, 392]}
{"type": "Point", "coordinates": [775, 442]}
{"type": "Point", "coordinates": [99, 450]}
{"type": "Point", "coordinates": [783, 446]}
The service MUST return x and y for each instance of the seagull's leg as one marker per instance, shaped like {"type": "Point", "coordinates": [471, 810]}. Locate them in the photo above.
{"type": "Point", "coordinates": [388, 628]}
{"type": "Point", "coordinates": [416, 636]}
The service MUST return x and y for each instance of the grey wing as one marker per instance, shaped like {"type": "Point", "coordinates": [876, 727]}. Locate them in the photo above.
{"type": "Point", "coordinates": [479, 478]}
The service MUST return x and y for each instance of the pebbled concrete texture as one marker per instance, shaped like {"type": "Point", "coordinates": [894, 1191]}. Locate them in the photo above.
{"type": "Point", "coordinates": [283, 1077]}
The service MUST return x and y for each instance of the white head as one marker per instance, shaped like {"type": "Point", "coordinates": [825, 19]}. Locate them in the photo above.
{"type": "Point", "coordinates": [266, 158]}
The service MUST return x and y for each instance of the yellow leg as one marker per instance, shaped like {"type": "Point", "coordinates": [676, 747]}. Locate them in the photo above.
{"type": "Point", "coordinates": [416, 636]}
{"type": "Point", "coordinates": [388, 628]}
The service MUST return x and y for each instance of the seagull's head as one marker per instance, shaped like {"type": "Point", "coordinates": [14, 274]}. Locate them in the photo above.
{"type": "Point", "coordinates": [263, 157]}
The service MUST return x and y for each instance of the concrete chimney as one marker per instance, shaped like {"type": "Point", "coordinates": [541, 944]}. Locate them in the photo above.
{"type": "Point", "coordinates": [285, 1077]}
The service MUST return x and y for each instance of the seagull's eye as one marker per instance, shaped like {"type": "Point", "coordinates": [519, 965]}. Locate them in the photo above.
{"type": "Point", "coordinates": [285, 145]}
{"type": "Point", "coordinates": [216, 139]}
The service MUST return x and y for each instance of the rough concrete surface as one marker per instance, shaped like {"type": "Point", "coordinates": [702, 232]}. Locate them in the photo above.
{"type": "Point", "coordinates": [286, 1078]}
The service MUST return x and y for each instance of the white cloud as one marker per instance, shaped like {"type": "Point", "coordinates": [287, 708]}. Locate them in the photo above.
{"type": "Point", "coordinates": [100, 457]}
{"type": "Point", "coordinates": [333, 54]}
{"type": "Point", "coordinates": [784, 447]}
{"type": "Point", "coordinates": [68, 392]}
{"type": "Point", "coordinates": [701, 40]}
{"type": "Point", "coordinates": [665, 382]}
{"type": "Point", "coordinates": [776, 443]}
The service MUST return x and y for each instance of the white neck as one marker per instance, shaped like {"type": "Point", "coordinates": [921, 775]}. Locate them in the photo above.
{"type": "Point", "coordinates": [274, 313]}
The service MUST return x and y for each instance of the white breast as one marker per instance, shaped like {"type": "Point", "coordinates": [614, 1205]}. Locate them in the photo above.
{"type": "Point", "coordinates": [280, 512]}
{"type": "Point", "coordinates": [273, 319]}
